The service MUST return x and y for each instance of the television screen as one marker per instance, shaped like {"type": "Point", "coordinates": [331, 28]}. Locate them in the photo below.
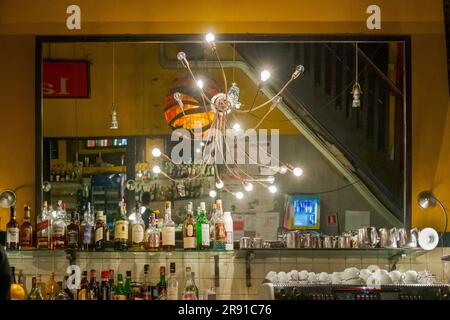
{"type": "Point", "coordinates": [304, 211]}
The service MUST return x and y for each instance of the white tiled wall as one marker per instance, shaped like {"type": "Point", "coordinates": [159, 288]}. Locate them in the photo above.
{"type": "Point", "coordinates": [232, 268]}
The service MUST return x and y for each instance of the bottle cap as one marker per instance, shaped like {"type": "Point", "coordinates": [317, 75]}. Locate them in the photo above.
{"type": "Point", "coordinates": [172, 267]}
{"type": "Point", "coordinates": [105, 274]}
{"type": "Point", "coordinates": [146, 267]}
{"type": "Point", "coordinates": [128, 273]}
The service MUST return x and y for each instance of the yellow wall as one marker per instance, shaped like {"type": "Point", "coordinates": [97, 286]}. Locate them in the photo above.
{"type": "Point", "coordinates": [423, 20]}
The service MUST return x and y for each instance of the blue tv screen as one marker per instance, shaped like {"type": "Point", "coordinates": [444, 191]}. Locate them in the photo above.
{"type": "Point", "coordinates": [304, 211]}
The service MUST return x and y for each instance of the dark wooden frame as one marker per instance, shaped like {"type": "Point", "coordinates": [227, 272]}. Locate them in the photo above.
{"type": "Point", "coordinates": [196, 38]}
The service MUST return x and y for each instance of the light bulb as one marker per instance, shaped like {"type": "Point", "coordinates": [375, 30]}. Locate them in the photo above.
{"type": "Point", "coordinates": [202, 144]}
{"type": "Point", "coordinates": [299, 70]}
{"type": "Point", "coordinates": [177, 96]}
{"type": "Point", "coordinates": [297, 172]}
{"type": "Point", "coordinates": [239, 195]}
{"type": "Point", "coordinates": [156, 169]}
{"type": "Point", "coordinates": [272, 189]}
{"type": "Point", "coordinates": [156, 152]}
{"type": "Point", "coordinates": [236, 127]}
{"type": "Point", "coordinates": [198, 150]}
{"type": "Point", "coordinates": [200, 84]}
{"type": "Point", "coordinates": [283, 169]}
{"type": "Point", "coordinates": [219, 184]}
{"type": "Point", "coordinates": [248, 186]}
{"type": "Point", "coordinates": [271, 179]}
{"type": "Point", "coordinates": [210, 37]}
{"type": "Point", "coordinates": [181, 56]}
{"type": "Point", "coordinates": [265, 75]}
{"type": "Point", "coordinates": [213, 193]}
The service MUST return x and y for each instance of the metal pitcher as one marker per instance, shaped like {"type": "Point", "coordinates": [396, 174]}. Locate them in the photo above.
{"type": "Point", "coordinates": [326, 242]}
{"type": "Point", "coordinates": [383, 234]}
{"type": "Point", "coordinates": [344, 241]}
{"type": "Point", "coordinates": [367, 237]}
{"type": "Point", "coordinates": [402, 238]}
{"type": "Point", "coordinates": [409, 238]}
{"type": "Point", "coordinates": [393, 238]}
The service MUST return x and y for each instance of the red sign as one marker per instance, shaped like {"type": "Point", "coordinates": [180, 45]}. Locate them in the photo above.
{"type": "Point", "coordinates": [65, 79]}
{"type": "Point", "coordinates": [331, 219]}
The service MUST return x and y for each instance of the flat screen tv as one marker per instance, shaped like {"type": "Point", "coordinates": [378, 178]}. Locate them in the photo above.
{"type": "Point", "coordinates": [302, 211]}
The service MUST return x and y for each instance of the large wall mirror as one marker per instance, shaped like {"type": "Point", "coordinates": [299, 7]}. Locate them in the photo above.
{"type": "Point", "coordinates": [108, 102]}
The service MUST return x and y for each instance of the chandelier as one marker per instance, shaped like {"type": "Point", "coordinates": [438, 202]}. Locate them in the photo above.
{"type": "Point", "coordinates": [223, 106]}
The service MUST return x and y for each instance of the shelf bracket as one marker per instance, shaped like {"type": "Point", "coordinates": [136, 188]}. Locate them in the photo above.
{"type": "Point", "coordinates": [216, 271]}
{"type": "Point", "coordinates": [249, 256]}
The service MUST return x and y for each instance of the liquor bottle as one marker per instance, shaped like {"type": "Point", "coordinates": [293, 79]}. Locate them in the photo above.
{"type": "Point", "coordinates": [202, 228]}
{"type": "Point", "coordinates": [168, 229]}
{"type": "Point", "coordinates": [120, 291]}
{"type": "Point", "coordinates": [121, 229]}
{"type": "Point", "coordinates": [26, 230]}
{"type": "Point", "coordinates": [101, 232]}
{"type": "Point", "coordinates": [36, 289]}
{"type": "Point", "coordinates": [84, 288]}
{"type": "Point", "coordinates": [152, 235]}
{"type": "Point", "coordinates": [59, 228]}
{"type": "Point", "coordinates": [228, 223]}
{"type": "Point", "coordinates": [146, 287]}
{"type": "Point", "coordinates": [63, 293]}
{"type": "Point", "coordinates": [112, 286]}
{"type": "Point", "coordinates": [51, 287]}
{"type": "Point", "coordinates": [16, 290]}
{"type": "Point", "coordinates": [43, 225]}
{"type": "Point", "coordinates": [162, 286]}
{"type": "Point", "coordinates": [73, 232]}
{"type": "Point", "coordinates": [12, 231]}
{"type": "Point", "coordinates": [87, 230]}
{"type": "Point", "coordinates": [93, 286]}
{"type": "Point", "coordinates": [105, 289]}
{"type": "Point", "coordinates": [189, 288]}
{"type": "Point", "coordinates": [172, 284]}
{"type": "Point", "coordinates": [219, 226]}
{"type": "Point", "coordinates": [195, 285]}
{"type": "Point", "coordinates": [137, 230]}
{"type": "Point", "coordinates": [212, 224]}
{"type": "Point", "coordinates": [127, 286]}
{"type": "Point", "coordinates": [22, 281]}
{"type": "Point", "coordinates": [189, 229]}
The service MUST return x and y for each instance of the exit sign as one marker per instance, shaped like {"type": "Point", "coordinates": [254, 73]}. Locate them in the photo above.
{"type": "Point", "coordinates": [65, 79]}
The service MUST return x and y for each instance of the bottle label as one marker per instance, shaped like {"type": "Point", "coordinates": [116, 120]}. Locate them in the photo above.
{"type": "Point", "coordinates": [83, 294]}
{"type": "Point", "coordinates": [205, 234]}
{"type": "Point", "coordinates": [121, 229]}
{"type": "Point", "coordinates": [73, 238]}
{"type": "Point", "coordinates": [12, 235]}
{"type": "Point", "coordinates": [58, 228]}
{"type": "Point", "coordinates": [42, 228]}
{"type": "Point", "coordinates": [220, 231]}
{"type": "Point", "coordinates": [153, 240]}
{"type": "Point", "coordinates": [99, 234]}
{"type": "Point", "coordinates": [168, 236]}
{"type": "Point", "coordinates": [189, 242]}
{"type": "Point", "coordinates": [87, 234]}
{"type": "Point", "coordinates": [120, 297]}
{"type": "Point", "coordinates": [26, 237]}
{"type": "Point", "coordinates": [137, 233]}
{"type": "Point", "coordinates": [172, 293]}
{"type": "Point", "coordinates": [190, 230]}
{"type": "Point", "coordinates": [189, 295]}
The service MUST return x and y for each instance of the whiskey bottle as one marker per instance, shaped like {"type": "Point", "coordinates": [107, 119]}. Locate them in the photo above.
{"type": "Point", "coordinates": [12, 231]}
{"type": "Point", "coordinates": [146, 290]}
{"type": "Point", "coordinates": [43, 224]}
{"type": "Point", "coordinates": [189, 229]}
{"type": "Point", "coordinates": [220, 236]}
{"type": "Point", "coordinates": [84, 288]}
{"type": "Point", "coordinates": [101, 232]}
{"type": "Point", "coordinates": [121, 229]}
{"type": "Point", "coordinates": [93, 286]}
{"type": "Point", "coordinates": [172, 284]}
{"type": "Point", "coordinates": [59, 228]}
{"type": "Point", "coordinates": [87, 230]}
{"type": "Point", "coordinates": [202, 228]}
{"type": "Point", "coordinates": [105, 289]}
{"type": "Point", "coordinates": [152, 235]}
{"type": "Point", "coordinates": [26, 230]}
{"type": "Point", "coordinates": [162, 285]}
{"type": "Point", "coordinates": [137, 230]}
{"type": "Point", "coordinates": [168, 229]}
{"type": "Point", "coordinates": [73, 232]}
{"type": "Point", "coordinates": [51, 287]}
{"type": "Point", "coordinates": [111, 283]}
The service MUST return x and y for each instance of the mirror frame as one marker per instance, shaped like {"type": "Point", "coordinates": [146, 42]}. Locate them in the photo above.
{"type": "Point", "coordinates": [194, 38]}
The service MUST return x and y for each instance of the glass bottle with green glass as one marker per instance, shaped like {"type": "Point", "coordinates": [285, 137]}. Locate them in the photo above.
{"type": "Point", "coordinates": [162, 285]}
{"type": "Point", "coordinates": [119, 293]}
{"type": "Point", "coordinates": [203, 231]}
{"type": "Point", "coordinates": [121, 229]}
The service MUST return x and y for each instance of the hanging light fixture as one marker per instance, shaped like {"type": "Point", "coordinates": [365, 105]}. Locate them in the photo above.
{"type": "Point", "coordinates": [356, 91]}
{"type": "Point", "coordinates": [114, 122]}
{"type": "Point", "coordinates": [222, 105]}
